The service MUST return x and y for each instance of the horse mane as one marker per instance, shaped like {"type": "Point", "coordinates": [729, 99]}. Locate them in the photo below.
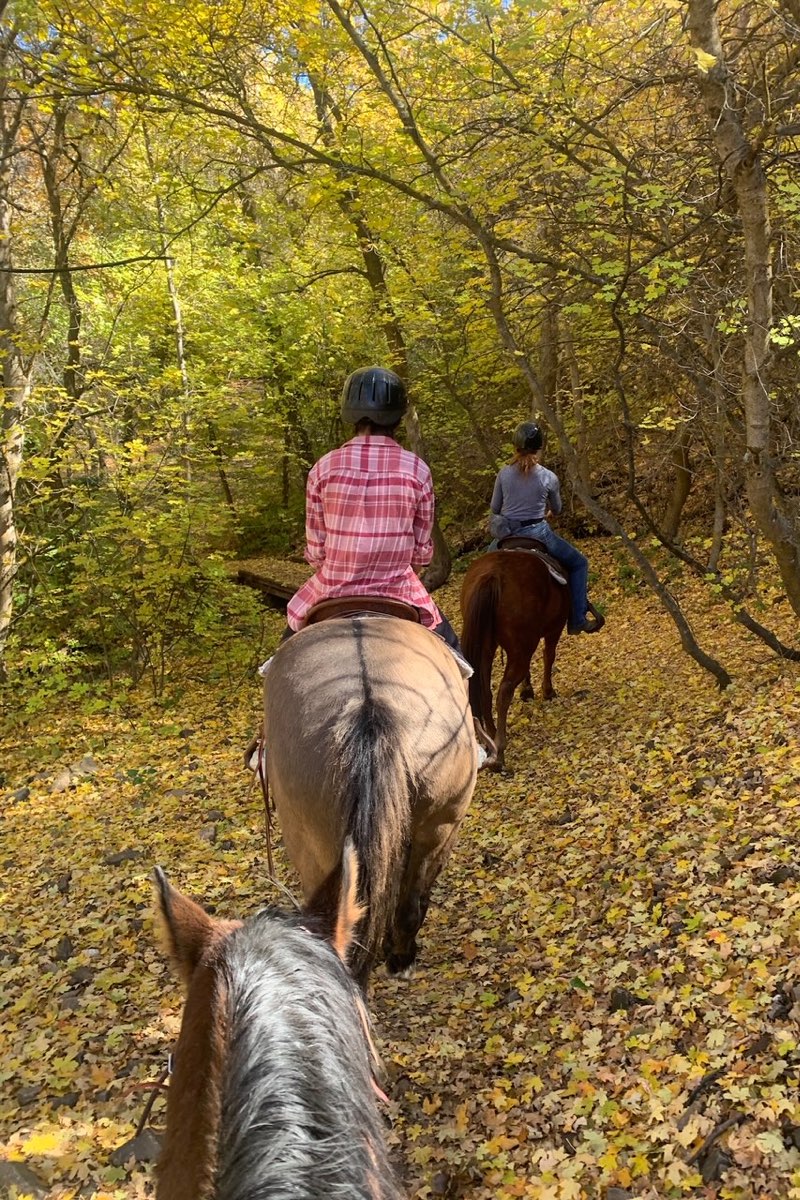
{"type": "Point", "coordinates": [374, 780]}
{"type": "Point", "coordinates": [299, 1119]}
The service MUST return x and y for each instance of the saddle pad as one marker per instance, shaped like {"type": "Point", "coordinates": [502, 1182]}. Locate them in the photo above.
{"type": "Point", "coordinates": [532, 546]}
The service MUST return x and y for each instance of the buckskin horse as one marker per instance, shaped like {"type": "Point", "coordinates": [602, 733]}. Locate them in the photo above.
{"type": "Point", "coordinates": [368, 735]}
{"type": "Point", "coordinates": [273, 1090]}
{"type": "Point", "coordinates": [509, 599]}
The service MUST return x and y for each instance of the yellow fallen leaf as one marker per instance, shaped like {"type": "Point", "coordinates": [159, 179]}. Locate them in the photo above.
{"type": "Point", "coordinates": [705, 61]}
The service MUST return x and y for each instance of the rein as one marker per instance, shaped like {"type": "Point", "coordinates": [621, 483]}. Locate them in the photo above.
{"type": "Point", "coordinates": [264, 781]}
{"type": "Point", "coordinates": [156, 1086]}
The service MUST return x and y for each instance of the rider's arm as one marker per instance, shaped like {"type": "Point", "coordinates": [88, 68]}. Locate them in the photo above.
{"type": "Point", "coordinates": [553, 504]}
{"type": "Point", "coordinates": [423, 526]}
{"type": "Point", "coordinates": [496, 504]}
{"type": "Point", "coordinates": [315, 522]}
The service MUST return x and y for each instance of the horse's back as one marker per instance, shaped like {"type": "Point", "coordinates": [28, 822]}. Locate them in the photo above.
{"type": "Point", "coordinates": [527, 592]}
{"type": "Point", "coordinates": [341, 662]}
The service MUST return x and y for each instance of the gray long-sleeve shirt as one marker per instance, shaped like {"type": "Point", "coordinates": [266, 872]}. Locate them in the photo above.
{"type": "Point", "coordinates": [526, 497]}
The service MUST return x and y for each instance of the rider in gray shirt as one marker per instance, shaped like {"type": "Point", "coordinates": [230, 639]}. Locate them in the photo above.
{"type": "Point", "coordinates": [525, 494]}
{"type": "Point", "coordinates": [526, 498]}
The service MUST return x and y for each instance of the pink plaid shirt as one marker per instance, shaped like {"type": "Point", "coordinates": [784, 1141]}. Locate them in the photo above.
{"type": "Point", "coordinates": [369, 516]}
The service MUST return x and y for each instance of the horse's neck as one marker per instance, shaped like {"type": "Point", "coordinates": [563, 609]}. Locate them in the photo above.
{"type": "Point", "coordinates": [296, 1116]}
{"type": "Point", "coordinates": [188, 1163]}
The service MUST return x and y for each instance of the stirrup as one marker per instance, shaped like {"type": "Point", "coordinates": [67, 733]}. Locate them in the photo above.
{"type": "Point", "coordinates": [599, 619]}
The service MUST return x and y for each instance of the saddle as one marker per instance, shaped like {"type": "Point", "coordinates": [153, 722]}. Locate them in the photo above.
{"type": "Point", "coordinates": [358, 606]}
{"type": "Point", "coordinates": [533, 546]}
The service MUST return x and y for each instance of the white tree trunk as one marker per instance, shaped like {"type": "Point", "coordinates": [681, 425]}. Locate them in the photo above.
{"type": "Point", "coordinates": [15, 378]}
{"type": "Point", "coordinates": [742, 165]}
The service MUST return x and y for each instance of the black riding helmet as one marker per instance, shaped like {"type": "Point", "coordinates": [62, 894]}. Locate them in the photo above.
{"type": "Point", "coordinates": [375, 393]}
{"type": "Point", "coordinates": [528, 437]}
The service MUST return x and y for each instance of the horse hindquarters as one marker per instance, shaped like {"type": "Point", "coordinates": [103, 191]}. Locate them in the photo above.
{"type": "Point", "coordinates": [369, 735]}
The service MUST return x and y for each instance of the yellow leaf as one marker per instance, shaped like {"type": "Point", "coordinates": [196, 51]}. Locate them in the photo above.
{"type": "Point", "coordinates": [51, 1144]}
{"type": "Point", "coordinates": [705, 61]}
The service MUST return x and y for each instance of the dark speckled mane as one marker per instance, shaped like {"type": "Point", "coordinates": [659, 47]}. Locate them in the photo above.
{"type": "Point", "coordinates": [273, 1093]}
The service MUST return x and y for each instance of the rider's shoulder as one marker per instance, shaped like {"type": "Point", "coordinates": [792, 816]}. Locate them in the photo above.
{"type": "Point", "coordinates": [410, 462]}
{"type": "Point", "coordinates": [547, 476]}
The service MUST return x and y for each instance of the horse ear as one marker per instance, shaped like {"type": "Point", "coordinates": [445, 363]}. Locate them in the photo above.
{"type": "Point", "coordinates": [349, 910]}
{"type": "Point", "coordinates": [186, 928]}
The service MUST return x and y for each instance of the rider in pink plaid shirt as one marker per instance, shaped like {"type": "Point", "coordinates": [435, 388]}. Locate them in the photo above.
{"type": "Point", "coordinates": [369, 516]}
{"type": "Point", "coordinates": [369, 509]}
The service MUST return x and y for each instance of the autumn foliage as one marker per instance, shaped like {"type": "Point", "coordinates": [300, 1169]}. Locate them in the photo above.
{"type": "Point", "coordinates": [608, 991]}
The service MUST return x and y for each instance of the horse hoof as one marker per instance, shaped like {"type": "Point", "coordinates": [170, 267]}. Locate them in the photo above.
{"type": "Point", "coordinates": [402, 964]}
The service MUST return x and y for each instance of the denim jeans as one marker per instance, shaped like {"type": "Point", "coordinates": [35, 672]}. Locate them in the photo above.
{"type": "Point", "coordinates": [446, 632]}
{"type": "Point", "coordinates": [575, 564]}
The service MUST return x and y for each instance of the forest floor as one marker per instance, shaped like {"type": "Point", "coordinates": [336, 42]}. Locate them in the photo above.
{"type": "Point", "coordinates": [607, 1002]}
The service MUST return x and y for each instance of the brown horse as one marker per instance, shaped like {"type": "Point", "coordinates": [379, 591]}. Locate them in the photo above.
{"type": "Point", "coordinates": [369, 736]}
{"type": "Point", "coordinates": [273, 1090]}
{"type": "Point", "coordinates": [509, 599]}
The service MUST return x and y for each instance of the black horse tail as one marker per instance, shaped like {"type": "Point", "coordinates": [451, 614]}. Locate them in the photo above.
{"type": "Point", "coordinates": [479, 642]}
{"type": "Point", "coordinates": [377, 800]}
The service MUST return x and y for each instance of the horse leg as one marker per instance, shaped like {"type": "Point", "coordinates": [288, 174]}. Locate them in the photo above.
{"type": "Point", "coordinates": [400, 948]}
{"type": "Point", "coordinates": [526, 691]}
{"type": "Point", "coordinates": [427, 856]}
{"type": "Point", "coordinates": [486, 703]}
{"type": "Point", "coordinates": [517, 666]}
{"type": "Point", "coordinates": [549, 656]}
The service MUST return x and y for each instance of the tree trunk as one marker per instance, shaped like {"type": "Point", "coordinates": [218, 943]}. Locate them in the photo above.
{"type": "Point", "coordinates": [16, 378]}
{"type": "Point", "coordinates": [682, 485]}
{"type": "Point", "coordinates": [175, 302]}
{"type": "Point", "coordinates": [578, 410]}
{"type": "Point", "coordinates": [16, 386]}
{"type": "Point", "coordinates": [548, 354]}
{"type": "Point", "coordinates": [719, 447]}
{"type": "Point", "coordinates": [62, 238]}
{"type": "Point", "coordinates": [285, 461]}
{"type": "Point", "coordinates": [180, 341]}
{"type": "Point", "coordinates": [302, 443]}
{"type": "Point", "coordinates": [604, 518]}
{"type": "Point", "coordinates": [438, 571]}
{"type": "Point", "coordinates": [742, 165]}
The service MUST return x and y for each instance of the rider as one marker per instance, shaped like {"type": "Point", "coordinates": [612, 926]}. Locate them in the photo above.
{"type": "Point", "coordinates": [369, 509]}
{"type": "Point", "coordinates": [525, 495]}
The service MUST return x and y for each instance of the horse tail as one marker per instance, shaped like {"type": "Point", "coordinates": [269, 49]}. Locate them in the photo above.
{"type": "Point", "coordinates": [375, 787]}
{"type": "Point", "coordinates": [479, 642]}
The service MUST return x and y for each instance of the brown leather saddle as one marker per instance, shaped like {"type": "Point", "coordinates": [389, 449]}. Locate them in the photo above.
{"type": "Point", "coordinates": [534, 546]}
{"type": "Point", "coordinates": [360, 606]}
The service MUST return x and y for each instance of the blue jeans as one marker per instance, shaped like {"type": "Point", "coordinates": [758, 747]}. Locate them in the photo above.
{"type": "Point", "coordinates": [574, 563]}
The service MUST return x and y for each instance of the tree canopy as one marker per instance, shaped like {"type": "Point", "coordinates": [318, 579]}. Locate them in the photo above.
{"type": "Point", "coordinates": [212, 213]}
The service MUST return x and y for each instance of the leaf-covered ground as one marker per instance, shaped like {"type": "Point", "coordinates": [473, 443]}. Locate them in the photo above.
{"type": "Point", "coordinates": [609, 990]}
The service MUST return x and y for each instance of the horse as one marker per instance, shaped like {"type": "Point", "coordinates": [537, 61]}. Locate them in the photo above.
{"type": "Point", "coordinates": [272, 1092]}
{"type": "Point", "coordinates": [509, 599]}
{"type": "Point", "coordinates": [369, 735]}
